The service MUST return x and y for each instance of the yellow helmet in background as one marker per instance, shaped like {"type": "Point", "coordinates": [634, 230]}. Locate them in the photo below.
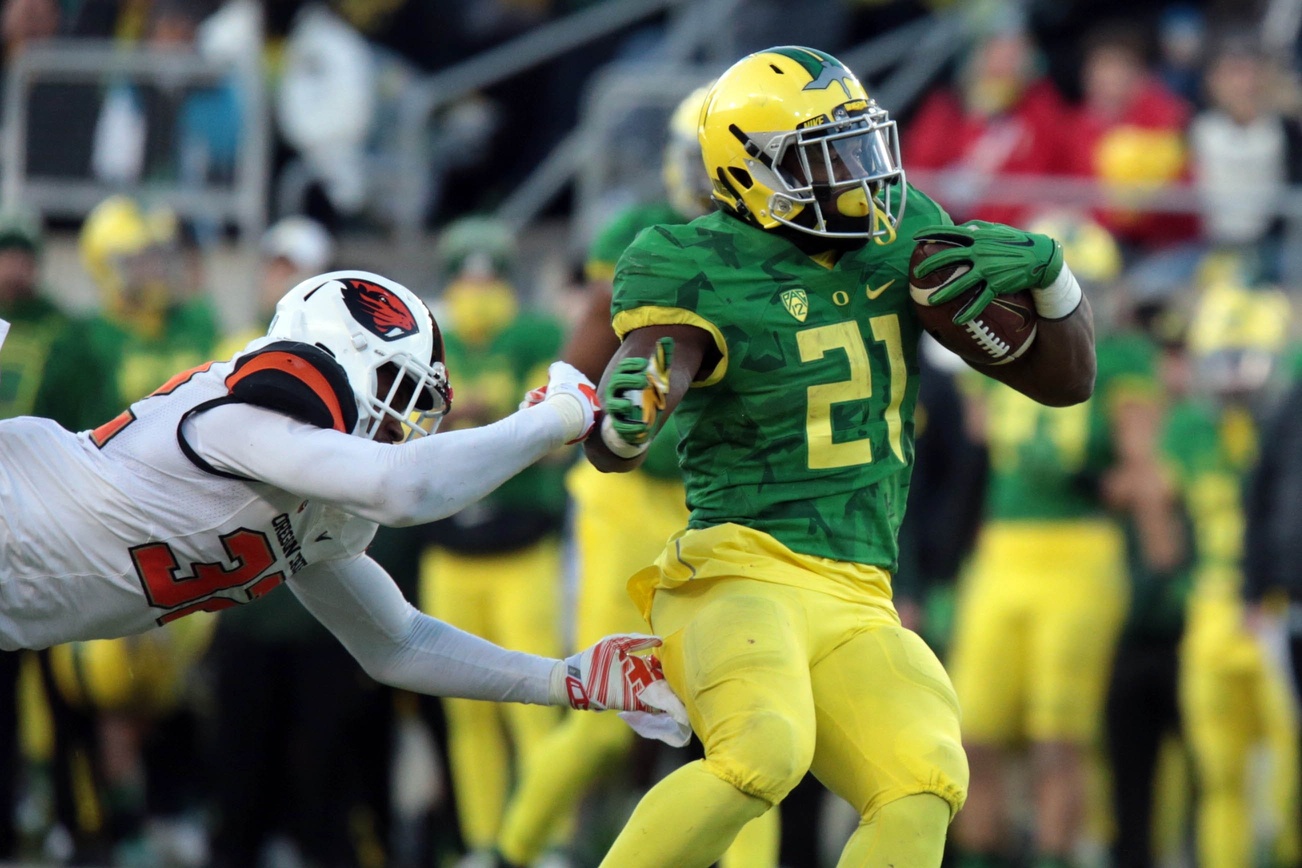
{"type": "Point", "coordinates": [686, 185]}
{"type": "Point", "coordinates": [1236, 336]}
{"type": "Point", "coordinates": [128, 251]}
{"type": "Point", "coordinates": [790, 138]}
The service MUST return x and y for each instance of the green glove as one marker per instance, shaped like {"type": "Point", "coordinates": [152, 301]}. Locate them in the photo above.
{"type": "Point", "coordinates": [1001, 260]}
{"type": "Point", "coordinates": [635, 400]}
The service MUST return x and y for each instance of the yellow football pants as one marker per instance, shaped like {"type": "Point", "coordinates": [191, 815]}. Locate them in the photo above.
{"type": "Point", "coordinates": [511, 600]}
{"type": "Point", "coordinates": [780, 680]}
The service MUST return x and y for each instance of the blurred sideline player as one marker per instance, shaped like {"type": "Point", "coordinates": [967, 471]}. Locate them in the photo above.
{"type": "Point", "coordinates": [494, 568]}
{"type": "Point", "coordinates": [782, 331]}
{"type": "Point", "coordinates": [131, 691]}
{"type": "Point", "coordinates": [1149, 776]}
{"type": "Point", "coordinates": [1234, 693]}
{"type": "Point", "coordinates": [291, 250]}
{"type": "Point", "coordinates": [285, 692]}
{"type": "Point", "coordinates": [1046, 593]}
{"type": "Point", "coordinates": [36, 322]}
{"type": "Point", "coordinates": [621, 523]}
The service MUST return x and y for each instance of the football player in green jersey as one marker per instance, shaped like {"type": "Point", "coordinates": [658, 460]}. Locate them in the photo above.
{"type": "Point", "coordinates": [620, 523]}
{"type": "Point", "coordinates": [781, 332]}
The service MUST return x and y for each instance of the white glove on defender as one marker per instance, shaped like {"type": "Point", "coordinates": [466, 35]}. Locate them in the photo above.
{"type": "Point", "coordinates": [610, 676]}
{"type": "Point", "coordinates": [574, 395]}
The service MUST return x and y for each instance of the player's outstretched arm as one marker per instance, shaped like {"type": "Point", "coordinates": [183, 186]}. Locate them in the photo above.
{"type": "Point", "coordinates": [395, 485]}
{"type": "Point", "coordinates": [1059, 368]}
{"type": "Point", "coordinates": [642, 385]}
{"type": "Point", "coordinates": [396, 644]}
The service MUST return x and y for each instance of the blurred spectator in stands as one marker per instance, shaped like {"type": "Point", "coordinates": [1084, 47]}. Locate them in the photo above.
{"type": "Point", "coordinates": [325, 107]}
{"type": "Point", "coordinates": [1128, 134]}
{"type": "Point", "coordinates": [1180, 37]}
{"type": "Point", "coordinates": [26, 21]}
{"type": "Point", "coordinates": [1245, 154]}
{"type": "Point", "coordinates": [1002, 116]}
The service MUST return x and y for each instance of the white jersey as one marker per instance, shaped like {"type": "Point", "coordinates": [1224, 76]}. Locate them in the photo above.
{"type": "Point", "coordinates": [199, 497]}
{"type": "Point", "coordinates": [95, 520]}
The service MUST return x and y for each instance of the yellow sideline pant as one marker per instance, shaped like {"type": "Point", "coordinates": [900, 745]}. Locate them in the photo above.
{"type": "Point", "coordinates": [511, 600]}
{"type": "Point", "coordinates": [621, 523]}
{"type": "Point", "coordinates": [1036, 628]}
{"type": "Point", "coordinates": [1233, 699]}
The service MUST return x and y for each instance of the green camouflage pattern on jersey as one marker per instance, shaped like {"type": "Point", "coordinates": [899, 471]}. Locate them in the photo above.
{"type": "Point", "coordinates": [804, 429]}
{"type": "Point", "coordinates": [1045, 462]}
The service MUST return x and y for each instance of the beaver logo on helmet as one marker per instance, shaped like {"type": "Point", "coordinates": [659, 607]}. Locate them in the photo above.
{"type": "Point", "coordinates": [381, 312]}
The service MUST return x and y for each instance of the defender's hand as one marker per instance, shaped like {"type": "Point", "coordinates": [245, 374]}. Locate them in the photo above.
{"type": "Point", "coordinates": [609, 675]}
{"type": "Point", "coordinates": [1000, 260]}
{"type": "Point", "coordinates": [574, 396]}
{"type": "Point", "coordinates": [636, 396]}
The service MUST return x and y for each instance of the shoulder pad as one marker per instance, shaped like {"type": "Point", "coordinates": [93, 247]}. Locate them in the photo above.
{"type": "Point", "coordinates": [299, 380]}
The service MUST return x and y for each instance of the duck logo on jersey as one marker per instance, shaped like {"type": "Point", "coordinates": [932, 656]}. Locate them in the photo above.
{"type": "Point", "coordinates": [379, 311]}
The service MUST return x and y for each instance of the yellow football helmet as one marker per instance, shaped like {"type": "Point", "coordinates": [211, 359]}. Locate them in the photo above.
{"type": "Point", "coordinates": [130, 254]}
{"type": "Point", "coordinates": [1237, 335]}
{"type": "Point", "coordinates": [790, 138]}
{"type": "Point", "coordinates": [686, 186]}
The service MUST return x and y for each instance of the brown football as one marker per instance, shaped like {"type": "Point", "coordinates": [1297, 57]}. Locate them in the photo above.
{"type": "Point", "coordinates": [1000, 333]}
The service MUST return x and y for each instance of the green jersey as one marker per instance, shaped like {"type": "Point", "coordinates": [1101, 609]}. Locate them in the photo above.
{"type": "Point", "coordinates": [803, 429]}
{"type": "Point", "coordinates": [36, 324]}
{"type": "Point", "coordinates": [1045, 462]}
{"type": "Point", "coordinates": [102, 365]}
{"type": "Point", "coordinates": [616, 235]}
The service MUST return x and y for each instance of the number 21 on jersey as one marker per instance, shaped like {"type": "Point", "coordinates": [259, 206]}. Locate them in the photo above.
{"type": "Point", "coordinates": [815, 343]}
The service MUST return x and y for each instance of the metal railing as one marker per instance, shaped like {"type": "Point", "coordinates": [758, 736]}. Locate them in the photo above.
{"type": "Point", "coordinates": [96, 64]}
{"type": "Point", "coordinates": [421, 105]}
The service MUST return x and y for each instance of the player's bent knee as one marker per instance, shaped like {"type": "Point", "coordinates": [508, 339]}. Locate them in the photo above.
{"type": "Point", "coordinates": [767, 759]}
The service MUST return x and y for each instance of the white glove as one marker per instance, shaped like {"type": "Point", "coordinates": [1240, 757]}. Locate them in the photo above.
{"type": "Point", "coordinates": [610, 676]}
{"type": "Point", "coordinates": [574, 397]}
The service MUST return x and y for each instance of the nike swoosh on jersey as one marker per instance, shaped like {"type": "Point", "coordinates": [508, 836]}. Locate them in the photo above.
{"type": "Point", "coordinates": [873, 294]}
{"type": "Point", "coordinates": [324, 535]}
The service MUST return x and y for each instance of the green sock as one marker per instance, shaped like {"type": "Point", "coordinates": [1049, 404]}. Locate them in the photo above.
{"type": "Point", "coordinates": [981, 860]}
{"type": "Point", "coordinates": [1052, 862]}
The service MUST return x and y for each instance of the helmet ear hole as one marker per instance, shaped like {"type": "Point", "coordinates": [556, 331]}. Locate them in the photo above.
{"type": "Point", "coordinates": [741, 176]}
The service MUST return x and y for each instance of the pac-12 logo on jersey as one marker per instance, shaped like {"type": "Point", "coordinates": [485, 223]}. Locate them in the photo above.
{"type": "Point", "coordinates": [378, 310]}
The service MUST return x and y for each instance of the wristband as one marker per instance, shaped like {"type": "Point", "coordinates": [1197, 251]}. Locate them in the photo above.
{"type": "Point", "coordinates": [1060, 298]}
{"type": "Point", "coordinates": [618, 445]}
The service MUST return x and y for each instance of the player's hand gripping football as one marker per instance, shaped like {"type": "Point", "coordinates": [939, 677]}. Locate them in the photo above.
{"type": "Point", "coordinates": [1000, 260]}
{"type": "Point", "coordinates": [635, 400]}
{"type": "Point", "coordinates": [576, 394]}
{"type": "Point", "coordinates": [610, 675]}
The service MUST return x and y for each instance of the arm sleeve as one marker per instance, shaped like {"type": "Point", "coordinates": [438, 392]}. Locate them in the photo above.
{"type": "Point", "coordinates": [394, 485]}
{"type": "Point", "coordinates": [399, 645]}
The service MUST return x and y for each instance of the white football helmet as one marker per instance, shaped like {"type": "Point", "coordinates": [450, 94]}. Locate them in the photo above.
{"type": "Point", "coordinates": [368, 323]}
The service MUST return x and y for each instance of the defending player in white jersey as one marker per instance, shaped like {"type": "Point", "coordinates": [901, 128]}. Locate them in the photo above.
{"type": "Point", "coordinates": [276, 467]}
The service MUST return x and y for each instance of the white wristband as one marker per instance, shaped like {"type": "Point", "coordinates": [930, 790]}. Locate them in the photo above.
{"type": "Point", "coordinates": [616, 444]}
{"type": "Point", "coordinates": [570, 411]}
{"type": "Point", "coordinates": [1060, 298]}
